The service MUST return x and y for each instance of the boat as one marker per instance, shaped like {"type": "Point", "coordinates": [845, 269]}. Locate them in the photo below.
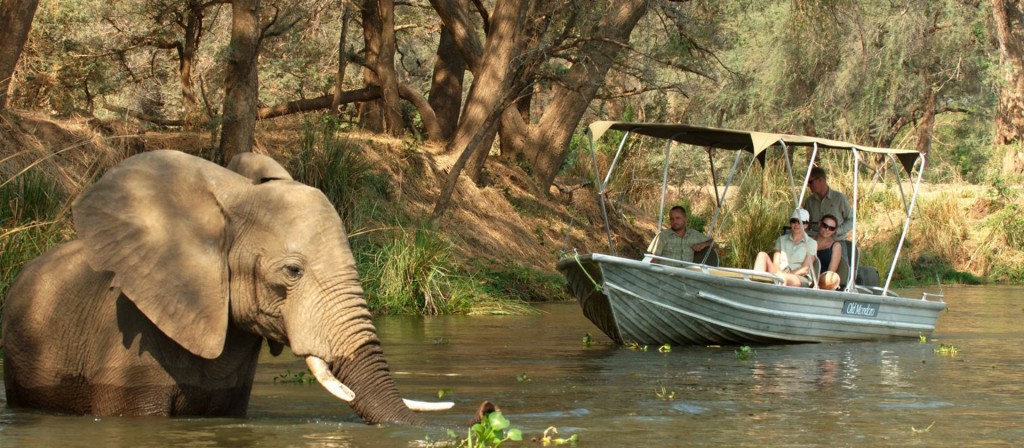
{"type": "Point", "coordinates": [700, 303]}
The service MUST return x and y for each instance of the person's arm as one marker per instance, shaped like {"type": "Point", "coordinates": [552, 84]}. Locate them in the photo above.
{"type": "Point", "coordinates": [806, 266]}
{"type": "Point", "coordinates": [846, 213]}
{"type": "Point", "coordinates": [837, 254]}
{"type": "Point", "coordinates": [703, 245]}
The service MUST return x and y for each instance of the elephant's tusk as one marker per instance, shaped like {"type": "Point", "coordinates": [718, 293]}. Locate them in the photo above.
{"type": "Point", "coordinates": [323, 374]}
{"type": "Point", "coordinates": [428, 406]}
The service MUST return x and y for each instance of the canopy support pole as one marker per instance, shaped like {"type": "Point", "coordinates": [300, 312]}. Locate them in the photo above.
{"type": "Point", "coordinates": [906, 224]}
{"type": "Point", "coordinates": [600, 188]}
{"type": "Point", "coordinates": [899, 182]}
{"type": "Point", "coordinates": [721, 201]}
{"type": "Point", "coordinates": [850, 286]}
{"type": "Point", "coordinates": [664, 185]}
{"type": "Point", "coordinates": [807, 175]}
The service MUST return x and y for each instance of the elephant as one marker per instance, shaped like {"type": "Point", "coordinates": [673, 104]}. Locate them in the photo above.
{"type": "Point", "coordinates": [180, 270]}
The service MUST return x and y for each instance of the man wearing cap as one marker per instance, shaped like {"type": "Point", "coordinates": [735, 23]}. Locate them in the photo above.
{"type": "Point", "coordinates": [678, 241]}
{"type": "Point", "coordinates": [793, 254]}
{"type": "Point", "coordinates": [826, 201]}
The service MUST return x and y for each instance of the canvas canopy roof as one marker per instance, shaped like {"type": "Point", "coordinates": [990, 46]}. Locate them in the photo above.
{"type": "Point", "coordinates": [755, 143]}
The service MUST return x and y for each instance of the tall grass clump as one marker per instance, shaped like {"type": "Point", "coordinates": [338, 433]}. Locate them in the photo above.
{"type": "Point", "coordinates": [341, 171]}
{"type": "Point", "coordinates": [30, 208]}
{"type": "Point", "coordinates": [416, 273]}
{"type": "Point", "coordinates": [413, 273]}
{"type": "Point", "coordinates": [943, 230]}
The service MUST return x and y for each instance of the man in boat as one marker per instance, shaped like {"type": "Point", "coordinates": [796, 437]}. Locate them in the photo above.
{"type": "Point", "coordinates": [826, 201]}
{"type": "Point", "coordinates": [793, 254]}
{"type": "Point", "coordinates": [679, 241]}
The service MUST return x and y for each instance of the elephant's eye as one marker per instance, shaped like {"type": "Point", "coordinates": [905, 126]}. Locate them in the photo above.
{"type": "Point", "coordinates": [293, 270]}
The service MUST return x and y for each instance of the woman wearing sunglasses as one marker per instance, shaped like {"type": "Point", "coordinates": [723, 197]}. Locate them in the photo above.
{"type": "Point", "coordinates": [830, 251]}
{"type": "Point", "coordinates": [793, 253]}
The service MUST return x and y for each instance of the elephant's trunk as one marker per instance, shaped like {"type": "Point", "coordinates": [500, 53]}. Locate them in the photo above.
{"type": "Point", "coordinates": [376, 398]}
{"type": "Point", "coordinates": [344, 352]}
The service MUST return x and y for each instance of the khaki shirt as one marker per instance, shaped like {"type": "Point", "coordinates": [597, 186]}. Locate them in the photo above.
{"type": "Point", "coordinates": [796, 252]}
{"type": "Point", "coordinates": [669, 245]}
{"type": "Point", "coordinates": [834, 203]}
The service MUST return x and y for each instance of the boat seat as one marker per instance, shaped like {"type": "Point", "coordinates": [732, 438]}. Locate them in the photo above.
{"type": "Point", "coordinates": [710, 253]}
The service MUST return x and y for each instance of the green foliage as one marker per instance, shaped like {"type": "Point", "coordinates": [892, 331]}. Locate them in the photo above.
{"type": "Point", "coordinates": [515, 281]}
{"type": "Point", "coordinates": [30, 205]}
{"type": "Point", "coordinates": [289, 377]}
{"type": "Point", "coordinates": [411, 274]}
{"type": "Point", "coordinates": [492, 431]}
{"type": "Point", "coordinates": [30, 197]}
{"type": "Point", "coordinates": [744, 353]}
{"type": "Point", "coordinates": [341, 171]}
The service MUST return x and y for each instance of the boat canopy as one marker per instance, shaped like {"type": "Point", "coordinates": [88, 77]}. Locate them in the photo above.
{"type": "Point", "coordinates": [753, 142]}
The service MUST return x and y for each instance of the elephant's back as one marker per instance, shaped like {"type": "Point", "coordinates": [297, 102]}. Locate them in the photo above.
{"type": "Point", "coordinates": [54, 296]}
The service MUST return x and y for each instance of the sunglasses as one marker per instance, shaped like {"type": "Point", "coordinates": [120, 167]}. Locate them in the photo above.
{"type": "Point", "coordinates": [794, 221]}
{"type": "Point", "coordinates": [827, 227]}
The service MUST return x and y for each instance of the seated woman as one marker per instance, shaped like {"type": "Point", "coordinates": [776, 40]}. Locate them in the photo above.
{"type": "Point", "coordinates": [829, 251]}
{"type": "Point", "coordinates": [793, 253]}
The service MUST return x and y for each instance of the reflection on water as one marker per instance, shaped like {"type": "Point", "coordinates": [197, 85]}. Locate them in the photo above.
{"type": "Point", "coordinates": [541, 374]}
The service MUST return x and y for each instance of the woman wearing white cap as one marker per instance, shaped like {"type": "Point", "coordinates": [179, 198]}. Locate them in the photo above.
{"type": "Point", "coordinates": [793, 253]}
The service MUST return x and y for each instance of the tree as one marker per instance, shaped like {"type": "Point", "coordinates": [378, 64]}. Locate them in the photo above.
{"type": "Point", "coordinates": [545, 145]}
{"type": "Point", "coordinates": [379, 37]}
{"type": "Point", "coordinates": [241, 90]}
{"type": "Point", "coordinates": [15, 23]}
{"type": "Point", "coordinates": [488, 93]}
{"type": "Point", "coordinates": [1009, 122]}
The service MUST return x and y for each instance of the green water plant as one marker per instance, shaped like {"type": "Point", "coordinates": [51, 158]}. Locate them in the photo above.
{"type": "Point", "coordinates": [665, 349]}
{"type": "Point", "coordinates": [492, 430]}
{"type": "Point", "coordinates": [588, 340]}
{"type": "Point", "coordinates": [665, 394]}
{"type": "Point", "coordinates": [636, 347]}
{"type": "Point", "coordinates": [300, 377]}
{"type": "Point", "coordinates": [947, 349]}
{"type": "Point", "coordinates": [745, 352]}
{"type": "Point", "coordinates": [549, 438]}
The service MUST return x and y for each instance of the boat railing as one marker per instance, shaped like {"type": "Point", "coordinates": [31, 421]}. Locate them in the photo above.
{"type": "Point", "coordinates": [745, 274]}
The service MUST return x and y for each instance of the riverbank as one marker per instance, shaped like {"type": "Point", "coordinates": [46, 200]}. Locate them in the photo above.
{"type": "Point", "coordinates": [495, 249]}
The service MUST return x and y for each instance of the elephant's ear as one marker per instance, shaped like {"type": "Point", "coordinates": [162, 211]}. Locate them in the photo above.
{"type": "Point", "coordinates": [157, 222]}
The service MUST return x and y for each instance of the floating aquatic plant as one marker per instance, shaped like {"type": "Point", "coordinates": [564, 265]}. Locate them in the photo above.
{"type": "Point", "coordinates": [745, 352]}
{"type": "Point", "coordinates": [547, 439]}
{"type": "Point", "coordinates": [493, 430]}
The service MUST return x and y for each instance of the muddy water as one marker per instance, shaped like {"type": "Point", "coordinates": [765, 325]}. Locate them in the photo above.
{"type": "Point", "coordinates": [541, 373]}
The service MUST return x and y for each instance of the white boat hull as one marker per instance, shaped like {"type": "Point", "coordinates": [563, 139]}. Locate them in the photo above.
{"type": "Point", "coordinates": [645, 303]}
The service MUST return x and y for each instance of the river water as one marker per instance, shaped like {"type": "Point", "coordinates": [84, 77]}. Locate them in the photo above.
{"type": "Point", "coordinates": [541, 373]}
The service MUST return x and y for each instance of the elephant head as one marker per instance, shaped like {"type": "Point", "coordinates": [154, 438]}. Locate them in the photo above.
{"type": "Point", "coordinates": [206, 253]}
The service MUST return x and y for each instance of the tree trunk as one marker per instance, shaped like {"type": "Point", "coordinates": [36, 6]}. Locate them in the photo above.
{"type": "Point", "coordinates": [339, 78]}
{"type": "Point", "coordinates": [489, 93]}
{"type": "Point", "coordinates": [1009, 126]}
{"type": "Point", "coordinates": [193, 113]}
{"type": "Point", "coordinates": [240, 95]}
{"type": "Point", "coordinates": [379, 35]}
{"type": "Point", "coordinates": [546, 145]}
{"type": "Point", "coordinates": [445, 95]}
{"type": "Point", "coordinates": [927, 123]}
{"type": "Point", "coordinates": [15, 23]}
{"type": "Point", "coordinates": [455, 18]}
